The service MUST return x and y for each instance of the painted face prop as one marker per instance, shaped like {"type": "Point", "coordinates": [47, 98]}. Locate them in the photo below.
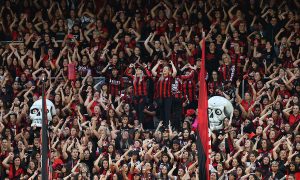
{"type": "Point", "coordinates": [218, 108]}
{"type": "Point", "coordinates": [36, 112]}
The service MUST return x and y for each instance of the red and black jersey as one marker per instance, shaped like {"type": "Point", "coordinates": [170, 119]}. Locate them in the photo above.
{"type": "Point", "coordinates": [115, 85]}
{"type": "Point", "coordinates": [212, 86]}
{"type": "Point", "coordinates": [189, 86]}
{"type": "Point", "coordinates": [163, 87]}
{"type": "Point", "coordinates": [240, 42]}
{"type": "Point", "coordinates": [236, 58]}
{"type": "Point", "coordinates": [140, 83]}
{"type": "Point", "coordinates": [175, 56]}
{"type": "Point", "coordinates": [140, 86]}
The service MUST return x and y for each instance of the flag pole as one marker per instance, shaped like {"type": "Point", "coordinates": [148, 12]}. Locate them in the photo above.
{"type": "Point", "coordinates": [44, 149]}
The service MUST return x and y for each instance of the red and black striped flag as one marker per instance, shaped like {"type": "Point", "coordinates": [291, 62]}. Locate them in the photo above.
{"type": "Point", "coordinates": [45, 145]}
{"type": "Point", "coordinates": [202, 134]}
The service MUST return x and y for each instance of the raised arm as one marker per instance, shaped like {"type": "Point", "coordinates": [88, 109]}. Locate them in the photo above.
{"type": "Point", "coordinates": [174, 70]}
{"type": "Point", "coordinates": [209, 14]}
{"type": "Point", "coordinates": [154, 70]}
{"type": "Point", "coordinates": [86, 33]}
{"type": "Point", "coordinates": [286, 112]}
{"type": "Point", "coordinates": [154, 9]}
{"type": "Point", "coordinates": [230, 11]}
{"type": "Point", "coordinates": [170, 174]}
{"type": "Point", "coordinates": [277, 36]}
{"type": "Point", "coordinates": [225, 50]}
{"type": "Point", "coordinates": [146, 43]}
{"type": "Point", "coordinates": [116, 37]}
{"type": "Point", "coordinates": [137, 35]}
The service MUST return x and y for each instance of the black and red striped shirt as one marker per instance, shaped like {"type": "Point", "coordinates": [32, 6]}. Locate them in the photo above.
{"type": "Point", "coordinates": [163, 87]}
{"type": "Point", "coordinates": [115, 85]}
{"type": "Point", "coordinates": [178, 86]}
{"type": "Point", "coordinates": [140, 84]}
{"type": "Point", "coordinates": [189, 86]}
{"type": "Point", "coordinates": [212, 86]}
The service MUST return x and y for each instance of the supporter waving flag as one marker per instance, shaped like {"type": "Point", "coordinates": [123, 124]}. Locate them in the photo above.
{"type": "Point", "coordinates": [203, 138]}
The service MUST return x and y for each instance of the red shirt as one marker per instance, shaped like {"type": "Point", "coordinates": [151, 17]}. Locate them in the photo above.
{"type": "Point", "coordinates": [15, 174]}
{"type": "Point", "coordinates": [293, 119]}
{"type": "Point", "coordinates": [246, 105]}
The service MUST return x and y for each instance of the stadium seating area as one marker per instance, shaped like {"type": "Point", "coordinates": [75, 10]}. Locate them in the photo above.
{"type": "Point", "coordinates": [123, 77]}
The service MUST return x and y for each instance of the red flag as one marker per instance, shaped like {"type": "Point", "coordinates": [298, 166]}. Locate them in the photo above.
{"type": "Point", "coordinates": [203, 136]}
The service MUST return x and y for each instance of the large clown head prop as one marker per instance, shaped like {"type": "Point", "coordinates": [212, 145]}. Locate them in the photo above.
{"type": "Point", "coordinates": [36, 112]}
{"type": "Point", "coordinates": [218, 109]}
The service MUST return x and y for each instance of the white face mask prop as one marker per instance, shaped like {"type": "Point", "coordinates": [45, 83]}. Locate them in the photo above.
{"type": "Point", "coordinates": [36, 112]}
{"type": "Point", "coordinates": [218, 108]}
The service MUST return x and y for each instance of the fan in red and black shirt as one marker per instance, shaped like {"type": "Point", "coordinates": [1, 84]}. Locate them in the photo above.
{"type": "Point", "coordinates": [177, 100]}
{"type": "Point", "coordinates": [15, 170]}
{"type": "Point", "coordinates": [214, 84]}
{"type": "Point", "coordinates": [212, 58]}
{"type": "Point", "coordinates": [235, 54]}
{"type": "Point", "coordinates": [227, 70]}
{"type": "Point", "coordinates": [163, 88]}
{"type": "Point", "coordinates": [140, 89]}
{"type": "Point", "coordinates": [115, 83]}
{"type": "Point", "coordinates": [177, 55]}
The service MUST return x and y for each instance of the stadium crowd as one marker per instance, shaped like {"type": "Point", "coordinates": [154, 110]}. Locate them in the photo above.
{"type": "Point", "coordinates": [122, 75]}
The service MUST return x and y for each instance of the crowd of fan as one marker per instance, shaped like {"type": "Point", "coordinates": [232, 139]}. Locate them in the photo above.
{"type": "Point", "coordinates": [138, 122]}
